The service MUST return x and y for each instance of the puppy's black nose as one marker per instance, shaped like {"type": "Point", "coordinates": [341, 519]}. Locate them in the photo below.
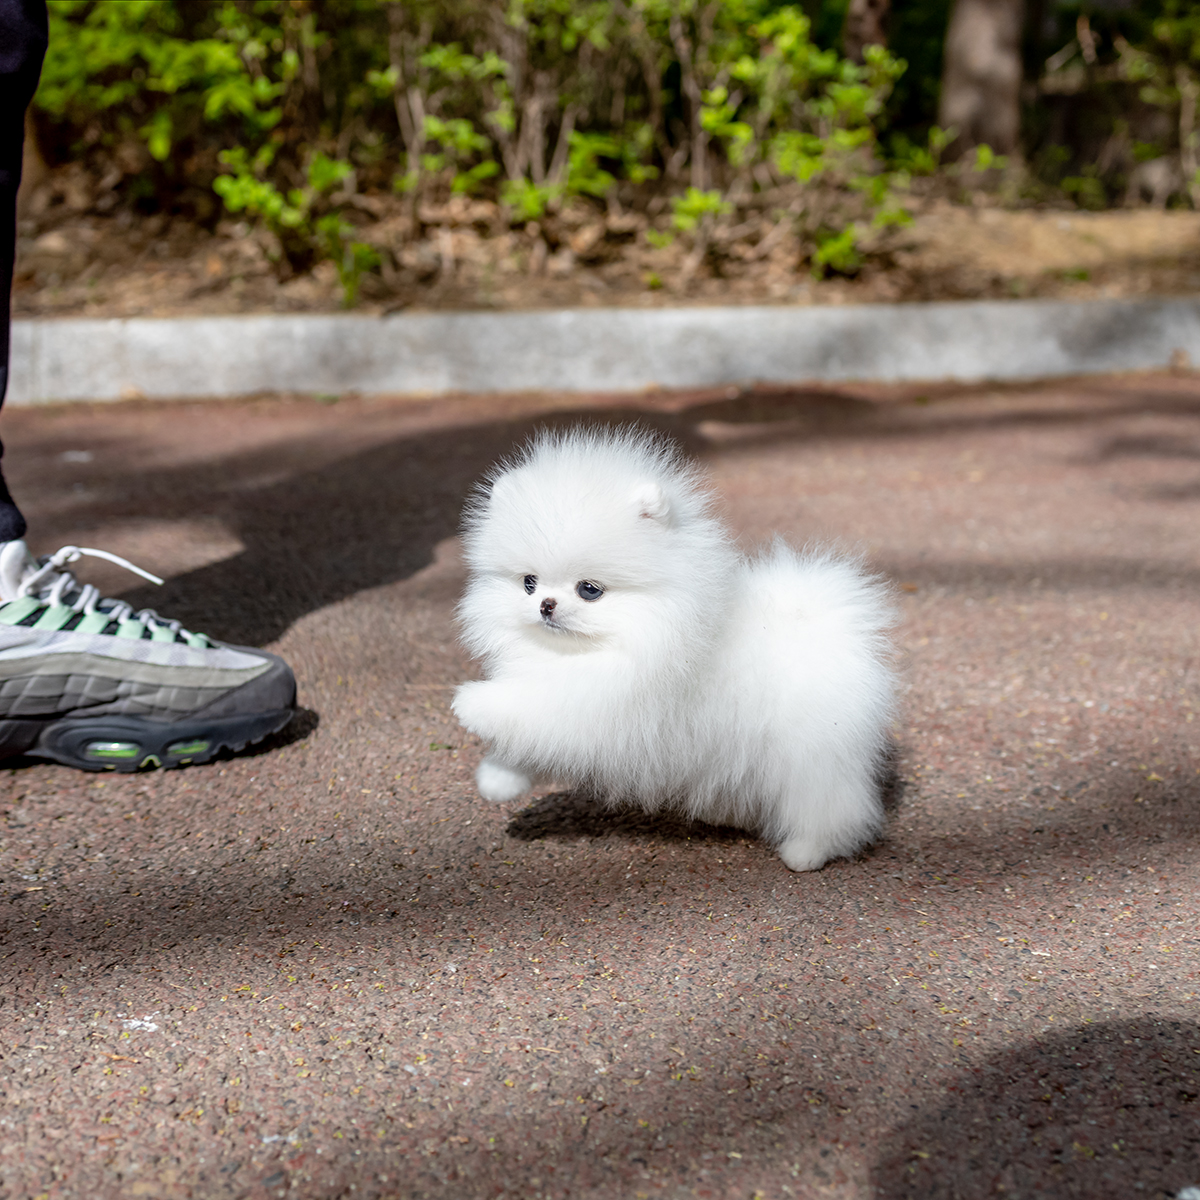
{"type": "Point", "coordinates": [548, 606]}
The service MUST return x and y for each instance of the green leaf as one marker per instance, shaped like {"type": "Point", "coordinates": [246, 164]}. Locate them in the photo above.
{"type": "Point", "coordinates": [839, 251]}
{"type": "Point", "coordinates": [527, 200]}
{"type": "Point", "coordinates": [688, 210]}
{"type": "Point", "coordinates": [157, 132]}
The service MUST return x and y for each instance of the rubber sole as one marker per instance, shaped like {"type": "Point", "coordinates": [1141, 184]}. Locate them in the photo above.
{"type": "Point", "coordinates": [128, 744]}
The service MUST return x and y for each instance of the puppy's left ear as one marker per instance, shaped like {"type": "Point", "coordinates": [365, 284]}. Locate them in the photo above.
{"type": "Point", "coordinates": [651, 503]}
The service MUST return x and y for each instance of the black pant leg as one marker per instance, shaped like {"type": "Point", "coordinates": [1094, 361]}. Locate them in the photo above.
{"type": "Point", "coordinates": [23, 40]}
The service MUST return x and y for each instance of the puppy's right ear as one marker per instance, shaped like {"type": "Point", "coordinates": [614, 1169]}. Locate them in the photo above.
{"type": "Point", "coordinates": [651, 502]}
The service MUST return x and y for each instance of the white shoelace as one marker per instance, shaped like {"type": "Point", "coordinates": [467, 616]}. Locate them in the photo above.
{"type": "Point", "coordinates": [52, 583]}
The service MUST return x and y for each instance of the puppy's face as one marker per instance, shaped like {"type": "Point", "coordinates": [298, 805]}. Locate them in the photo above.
{"type": "Point", "coordinates": [599, 545]}
{"type": "Point", "coordinates": [570, 567]}
{"type": "Point", "coordinates": [562, 606]}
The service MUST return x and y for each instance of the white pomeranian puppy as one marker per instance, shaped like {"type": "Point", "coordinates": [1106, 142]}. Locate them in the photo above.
{"type": "Point", "coordinates": [630, 649]}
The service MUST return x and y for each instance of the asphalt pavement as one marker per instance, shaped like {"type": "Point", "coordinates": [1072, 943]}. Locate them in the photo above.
{"type": "Point", "coordinates": [326, 969]}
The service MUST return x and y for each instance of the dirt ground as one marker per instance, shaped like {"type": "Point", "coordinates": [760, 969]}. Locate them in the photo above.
{"type": "Point", "coordinates": [75, 261]}
{"type": "Point", "coordinates": [326, 969]}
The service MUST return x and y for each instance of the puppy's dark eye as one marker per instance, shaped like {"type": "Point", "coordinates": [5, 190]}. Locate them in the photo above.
{"type": "Point", "coordinates": [588, 591]}
{"type": "Point", "coordinates": [530, 584]}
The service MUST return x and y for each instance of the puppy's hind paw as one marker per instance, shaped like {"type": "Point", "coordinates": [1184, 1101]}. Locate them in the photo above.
{"type": "Point", "coordinates": [500, 784]}
{"type": "Point", "coordinates": [802, 854]}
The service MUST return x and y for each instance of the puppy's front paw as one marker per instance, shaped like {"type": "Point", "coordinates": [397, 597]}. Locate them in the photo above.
{"type": "Point", "coordinates": [803, 854]}
{"type": "Point", "coordinates": [470, 706]}
{"type": "Point", "coordinates": [499, 783]}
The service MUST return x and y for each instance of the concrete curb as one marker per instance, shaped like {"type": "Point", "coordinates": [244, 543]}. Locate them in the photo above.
{"type": "Point", "coordinates": [592, 349]}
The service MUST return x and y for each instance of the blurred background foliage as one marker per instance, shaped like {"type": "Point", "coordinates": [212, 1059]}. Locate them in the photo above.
{"type": "Point", "coordinates": [311, 119]}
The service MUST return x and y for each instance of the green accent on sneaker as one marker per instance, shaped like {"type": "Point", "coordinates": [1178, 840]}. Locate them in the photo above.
{"type": "Point", "coordinates": [117, 750]}
{"type": "Point", "coordinates": [162, 633]}
{"type": "Point", "coordinates": [190, 749]}
{"type": "Point", "coordinates": [55, 617]}
{"type": "Point", "coordinates": [13, 612]}
{"type": "Point", "coordinates": [130, 629]}
{"type": "Point", "coordinates": [95, 622]}
{"type": "Point", "coordinates": [199, 640]}
{"type": "Point", "coordinates": [127, 744]}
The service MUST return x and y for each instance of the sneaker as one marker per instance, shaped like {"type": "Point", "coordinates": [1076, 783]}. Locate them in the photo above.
{"type": "Point", "coordinates": [88, 682]}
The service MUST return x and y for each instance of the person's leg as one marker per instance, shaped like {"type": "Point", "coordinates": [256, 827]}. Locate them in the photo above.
{"type": "Point", "coordinates": [22, 48]}
{"type": "Point", "coordinates": [85, 680]}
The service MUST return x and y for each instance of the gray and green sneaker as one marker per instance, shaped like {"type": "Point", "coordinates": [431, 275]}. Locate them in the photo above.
{"type": "Point", "coordinates": [88, 682]}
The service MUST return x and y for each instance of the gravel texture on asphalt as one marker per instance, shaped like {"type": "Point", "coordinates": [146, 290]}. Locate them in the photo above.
{"type": "Point", "coordinates": [324, 968]}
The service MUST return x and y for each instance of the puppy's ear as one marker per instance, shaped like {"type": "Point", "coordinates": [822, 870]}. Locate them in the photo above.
{"type": "Point", "coordinates": [651, 503]}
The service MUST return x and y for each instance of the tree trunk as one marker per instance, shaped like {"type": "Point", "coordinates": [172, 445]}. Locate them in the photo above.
{"type": "Point", "coordinates": [404, 52]}
{"type": "Point", "coordinates": [692, 57]}
{"type": "Point", "coordinates": [981, 78]}
{"type": "Point", "coordinates": [511, 43]}
{"type": "Point", "coordinates": [1189, 94]}
{"type": "Point", "coordinates": [865, 25]}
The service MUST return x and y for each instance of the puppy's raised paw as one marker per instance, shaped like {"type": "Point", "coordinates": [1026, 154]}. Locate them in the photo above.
{"type": "Point", "coordinates": [500, 784]}
{"type": "Point", "coordinates": [471, 707]}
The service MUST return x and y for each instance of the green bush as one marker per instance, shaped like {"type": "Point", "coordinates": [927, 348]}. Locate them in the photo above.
{"type": "Point", "coordinates": [306, 225]}
{"type": "Point", "coordinates": [285, 108]}
{"type": "Point", "coordinates": [139, 67]}
{"type": "Point", "coordinates": [289, 111]}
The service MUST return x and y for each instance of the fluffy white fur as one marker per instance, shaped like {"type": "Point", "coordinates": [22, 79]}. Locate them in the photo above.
{"type": "Point", "coordinates": [751, 692]}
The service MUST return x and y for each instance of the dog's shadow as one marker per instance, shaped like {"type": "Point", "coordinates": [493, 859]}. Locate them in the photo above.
{"type": "Point", "coordinates": [567, 816]}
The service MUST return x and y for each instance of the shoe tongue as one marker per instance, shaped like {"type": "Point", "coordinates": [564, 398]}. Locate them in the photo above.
{"type": "Point", "coordinates": [15, 563]}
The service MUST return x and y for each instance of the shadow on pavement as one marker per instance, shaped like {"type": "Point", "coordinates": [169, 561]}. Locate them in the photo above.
{"type": "Point", "coordinates": [303, 724]}
{"type": "Point", "coordinates": [323, 534]}
{"type": "Point", "coordinates": [361, 882]}
{"type": "Point", "coordinates": [1096, 823]}
{"type": "Point", "coordinates": [567, 816]}
{"type": "Point", "coordinates": [322, 527]}
{"type": "Point", "coordinates": [1100, 1112]}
